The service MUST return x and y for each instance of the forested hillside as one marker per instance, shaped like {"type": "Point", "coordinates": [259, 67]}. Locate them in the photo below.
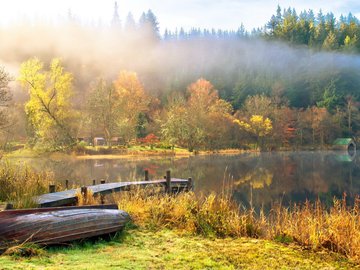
{"type": "Point", "coordinates": [293, 83]}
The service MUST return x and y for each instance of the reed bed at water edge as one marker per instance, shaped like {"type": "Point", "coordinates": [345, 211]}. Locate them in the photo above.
{"type": "Point", "coordinates": [19, 184]}
{"type": "Point", "coordinates": [310, 225]}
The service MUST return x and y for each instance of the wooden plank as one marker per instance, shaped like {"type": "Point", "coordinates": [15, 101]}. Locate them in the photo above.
{"type": "Point", "coordinates": [68, 197]}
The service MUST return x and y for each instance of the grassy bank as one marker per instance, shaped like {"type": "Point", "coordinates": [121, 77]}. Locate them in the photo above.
{"type": "Point", "coordinates": [133, 152]}
{"type": "Point", "coordinates": [165, 249]}
{"type": "Point", "coordinates": [310, 225]}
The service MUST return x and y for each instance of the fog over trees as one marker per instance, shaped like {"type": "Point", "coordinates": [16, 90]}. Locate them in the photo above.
{"type": "Point", "coordinates": [295, 82]}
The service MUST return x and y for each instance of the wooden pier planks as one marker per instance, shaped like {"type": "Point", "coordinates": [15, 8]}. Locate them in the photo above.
{"type": "Point", "coordinates": [68, 197]}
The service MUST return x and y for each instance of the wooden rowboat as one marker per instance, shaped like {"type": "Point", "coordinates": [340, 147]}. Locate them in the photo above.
{"type": "Point", "coordinates": [59, 224]}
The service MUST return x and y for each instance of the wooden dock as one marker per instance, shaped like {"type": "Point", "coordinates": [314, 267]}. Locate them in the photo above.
{"type": "Point", "coordinates": [68, 197]}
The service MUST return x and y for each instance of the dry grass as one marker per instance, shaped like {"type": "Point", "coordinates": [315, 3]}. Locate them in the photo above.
{"type": "Point", "coordinates": [309, 225]}
{"type": "Point", "coordinates": [19, 184]}
{"type": "Point", "coordinates": [24, 250]}
{"type": "Point", "coordinates": [208, 215]}
{"type": "Point", "coordinates": [87, 199]}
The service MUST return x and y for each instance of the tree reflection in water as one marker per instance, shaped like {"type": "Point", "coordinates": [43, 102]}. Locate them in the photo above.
{"type": "Point", "coordinates": [262, 178]}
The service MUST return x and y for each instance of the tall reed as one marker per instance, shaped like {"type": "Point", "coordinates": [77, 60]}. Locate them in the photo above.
{"type": "Point", "coordinates": [87, 199]}
{"type": "Point", "coordinates": [313, 226]}
{"type": "Point", "coordinates": [310, 224]}
{"type": "Point", "coordinates": [19, 184]}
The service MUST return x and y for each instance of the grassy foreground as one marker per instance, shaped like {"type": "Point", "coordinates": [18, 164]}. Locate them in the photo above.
{"type": "Point", "coordinates": [165, 249]}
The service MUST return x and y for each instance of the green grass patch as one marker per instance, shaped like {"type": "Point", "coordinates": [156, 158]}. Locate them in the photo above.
{"type": "Point", "coordinates": [143, 249]}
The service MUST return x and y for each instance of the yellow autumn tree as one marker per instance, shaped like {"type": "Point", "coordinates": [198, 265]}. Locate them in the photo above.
{"type": "Point", "coordinates": [49, 109]}
{"type": "Point", "coordinates": [132, 103]}
{"type": "Point", "coordinates": [203, 121]}
{"type": "Point", "coordinates": [258, 126]}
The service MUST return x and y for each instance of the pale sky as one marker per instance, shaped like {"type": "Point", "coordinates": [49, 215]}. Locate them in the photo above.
{"type": "Point", "coordinates": [224, 14]}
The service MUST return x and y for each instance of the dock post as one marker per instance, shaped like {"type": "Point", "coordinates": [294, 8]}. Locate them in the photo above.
{"type": "Point", "coordinates": [94, 182]}
{"type": "Point", "coordinates": [146, 172]}
{"type": "Point", "coordinates": [52, 188]}
{"type": "Point", "coordinates": [84, 192]}
{"type": "Point", "coordinates": [189, 184]}
{"type": "Point", "coordinates": [168, 182]}
{"type": "Point", "coordinates": [9, 206]}
{"type": "Point", "coordinates": [67, 184]}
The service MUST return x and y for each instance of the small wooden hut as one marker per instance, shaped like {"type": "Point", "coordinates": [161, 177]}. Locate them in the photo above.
{"type": "Point", "coordinates": [99, 141]}
{"type": "Point", "coordinates": [344, 144]}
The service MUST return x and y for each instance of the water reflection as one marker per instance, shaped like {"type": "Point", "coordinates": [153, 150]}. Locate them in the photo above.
{"type": "Point", "coordinates": [253, 178]}
{"type": "Point", "coordinates": [345, 156]}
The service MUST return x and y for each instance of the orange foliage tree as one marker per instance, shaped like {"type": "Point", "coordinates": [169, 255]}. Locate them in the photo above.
{"type": "Point", "coordinates": [200, 122]}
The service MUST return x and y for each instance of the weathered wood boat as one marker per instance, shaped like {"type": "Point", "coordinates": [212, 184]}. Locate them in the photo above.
{"type": "Point", "coordinates": [59, 224]}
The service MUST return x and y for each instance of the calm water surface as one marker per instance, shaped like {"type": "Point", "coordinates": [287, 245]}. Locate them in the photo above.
{"type": "Point", "coordinates": [260, 178]}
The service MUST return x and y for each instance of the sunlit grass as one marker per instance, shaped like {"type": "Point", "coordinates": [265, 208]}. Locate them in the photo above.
{"type": "Point", "coordinates": [167, 249]}
{"type": "Point", "coordinates": [87, 199]}
{"type": "Point", "coordinates": [20, 184]}
{"type": "Point", "coordinates": [309, 225]}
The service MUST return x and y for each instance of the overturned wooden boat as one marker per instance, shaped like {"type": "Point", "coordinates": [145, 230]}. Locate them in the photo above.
{"type": "Point", "coordinates": [59, 224]}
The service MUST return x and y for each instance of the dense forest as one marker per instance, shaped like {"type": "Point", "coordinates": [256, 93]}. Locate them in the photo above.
{"type": "Point", "coordinates": [292, 83]}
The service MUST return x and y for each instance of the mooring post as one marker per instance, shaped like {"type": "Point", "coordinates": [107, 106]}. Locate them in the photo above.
{"type": "Point", "coordinates": [67, 184]}
{"type": "Point", "coordinates": [9, 206]}
{"type": "Point", "coordinates": [146, 172]}
{"type": "Point", "coordinates": [189, 184]}
{"type": "Point", "coordinates": [94, 182]}
{"type": "Point", "coordinates": [168, 182]}
{"type": "Point", "coordinates": [52, 188]}
{"type": "Point", "coordinates": [84, 191]}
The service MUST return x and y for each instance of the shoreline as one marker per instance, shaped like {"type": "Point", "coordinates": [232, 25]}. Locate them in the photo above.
{"type": "Point", "coordinates": [137, 154]}
{"type": "Point", "coordinates": [156, 155]}
{"type": "Point", "coordinates": [144, 154]}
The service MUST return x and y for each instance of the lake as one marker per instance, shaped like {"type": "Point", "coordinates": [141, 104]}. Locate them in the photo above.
{"type": "Point", "coordinates": [252, 178]}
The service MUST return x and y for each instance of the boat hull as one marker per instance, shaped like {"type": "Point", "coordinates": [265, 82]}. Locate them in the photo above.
{"type": "Point", "coordinates": [54, 226]}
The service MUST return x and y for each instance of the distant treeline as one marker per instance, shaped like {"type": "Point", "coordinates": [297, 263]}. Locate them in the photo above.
{"type": "Point", "coordinates": [320, 31]}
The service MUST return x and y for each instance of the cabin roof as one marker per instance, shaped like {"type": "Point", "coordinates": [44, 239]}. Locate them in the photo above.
{"type": "Point", "coordinates": [343, 141]}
